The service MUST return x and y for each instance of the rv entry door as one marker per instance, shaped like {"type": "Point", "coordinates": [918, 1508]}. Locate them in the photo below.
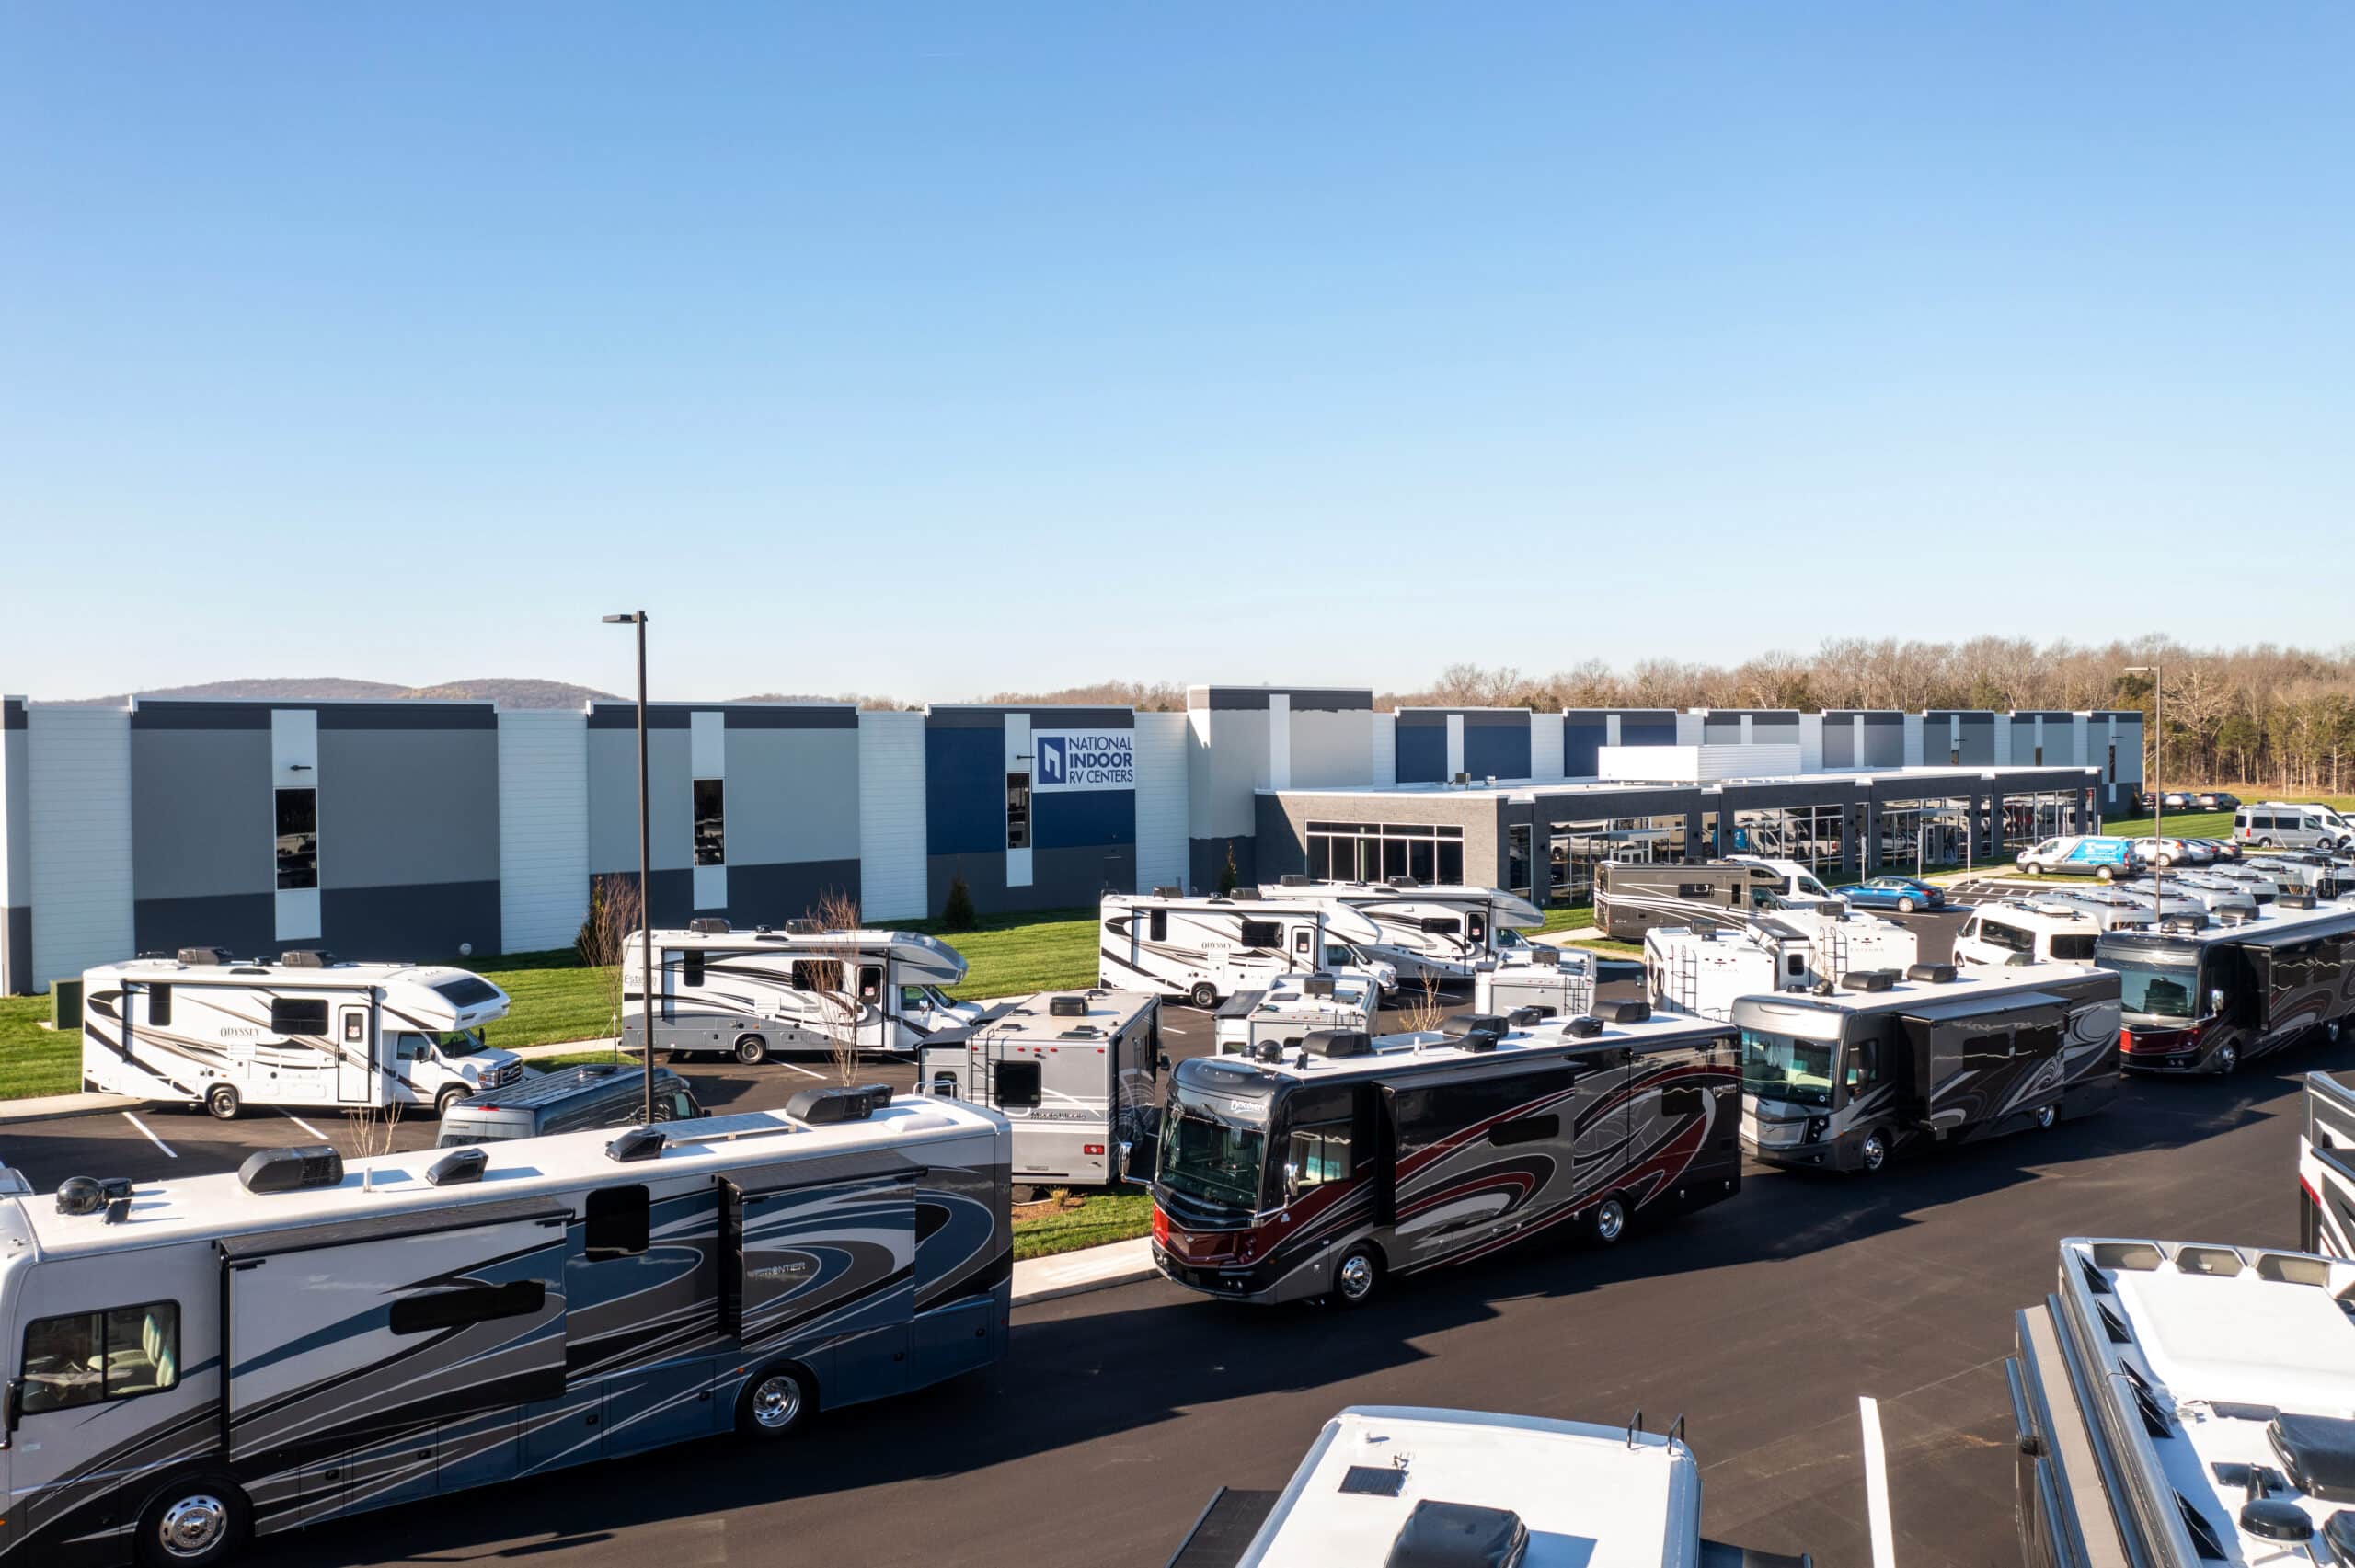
{"type": "Point", "coordinates": [872, 1027]}
{"type": "Point", "coordinates": [355, 1059]}
{"type": "Point", "coordinates": [1303, 950]}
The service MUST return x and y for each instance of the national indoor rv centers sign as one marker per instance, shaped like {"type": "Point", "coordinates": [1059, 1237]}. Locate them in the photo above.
{"type": "Point", "coordinates": [1083, 759]}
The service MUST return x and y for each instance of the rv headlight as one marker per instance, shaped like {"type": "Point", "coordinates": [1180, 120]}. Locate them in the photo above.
{"type": "Point", "coordinates": [1816, 1127]}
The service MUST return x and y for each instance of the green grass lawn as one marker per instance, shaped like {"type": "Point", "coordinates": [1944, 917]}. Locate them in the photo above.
{"type": "Point", "coordinates": [1102, 1218]}
{"type": "Point", "coordinates": [34, 1060]}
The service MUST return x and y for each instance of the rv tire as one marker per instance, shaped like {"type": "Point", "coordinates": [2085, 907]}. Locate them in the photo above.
{"type": "Point", "coordinates": [222, 1102]}
{"type": "Point", "coordinates": [776, 1401]}
{"type": "Point", "coordinates": [1204, 995]}
{"type": "Point", "coordinates": [1357, 1278]}
{"type": "Point", "coordinates": [2228, 1059]}
{"type": "Point", "coordinates": [193, 1523]}
{"type": "Point", "coordinates": [1872, 1154]}
{"type": "Point", "coordinates": [2047, 1116]}
{"type": "Point", "coordinates": [2034, 868]}
{"type": "Point", "coordinates": [752, 1050]}
{"type": "Point", "coordinates": [447, 1098]}
{"type": "Point", "coordinates": [1606, 1222]}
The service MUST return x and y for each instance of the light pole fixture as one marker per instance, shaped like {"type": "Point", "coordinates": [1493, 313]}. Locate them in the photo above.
{"type": "Point", "coordinates": [2151, 782]}
{"type": "Point", "coordinates": [645, 863]}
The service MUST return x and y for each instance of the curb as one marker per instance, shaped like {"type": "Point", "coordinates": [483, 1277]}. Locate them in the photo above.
{"type": "Point", "coordinates": [1077, 1273]}
{"type": "Point", "coordinates": [58, 1107]}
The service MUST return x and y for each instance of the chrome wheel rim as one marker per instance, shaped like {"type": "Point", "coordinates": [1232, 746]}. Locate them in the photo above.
{"type": "Point", "coordinates": [1356, 1277]}
{"type": "Point", "coordinates": [1875, 1152]}
{"type": "Point", "coordinates": [2045, 1116]}
{"type": "Point", "coordinates": [193, 1526]}
{"type": "Point", "coordinates": [224, 1102]}
{"type": "Point", "coordinates": [777, 1403]}
{"type": "Point", "coordinates": [1609, 1220]}
{"type": "Point", "coordinates": [748, 1052]}
{"type": "Point", "coordinates": [2228, 1059]}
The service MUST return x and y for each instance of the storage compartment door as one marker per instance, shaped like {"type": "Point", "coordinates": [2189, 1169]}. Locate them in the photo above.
{"type": "Point", "coordinates": [824, 1261]}
{"type": "Point", "coordinates": [334, 1344]}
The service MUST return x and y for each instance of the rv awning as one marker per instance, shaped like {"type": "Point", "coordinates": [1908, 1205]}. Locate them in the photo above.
{"type": "Point", "coordinates": [390, 1227]}
{"type": "Point", "coordinates": [822, 1168]}
{"type": "Point", "coordinates": [1964, 1007]}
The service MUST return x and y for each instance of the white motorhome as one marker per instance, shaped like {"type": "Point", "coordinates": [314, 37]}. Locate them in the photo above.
{"type": "Point", "coordinates": [1466, 1489]}
{"type": "Point", "coordinates": [753, 993]}
{"type": "Point", "coordinates": [204, 1029]}
{"type": "Point", "coordinates": [193, 1363]}
{"type": "Point", "coordinates": [2024, 930]}
{"type": "Point", "coordinates": [1560, 981]}
{"type": "Point", "coordinates": [1793, 946]}
{"type": "Point", "coordinates": [1291, 1007]}
{"type": "Point", "coordinates": [1793, 880]}
{"type": "Point", "coordinates": [1430, 932]}
{"type": "Point", "coordinates": [1076, 1073]}
{"type": "Point", "coordinates": [1208, 949]}
{"type": "Point", "coordinates": [2181, 1404]}
{"type": "Point", "coordinates": [2216, 894]}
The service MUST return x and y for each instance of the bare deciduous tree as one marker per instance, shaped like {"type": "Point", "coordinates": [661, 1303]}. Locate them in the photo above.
{"type": "Point", "coordinates": [1425, 1011]}
{"type": "Point", "coordinates": [840, 1002]}
{"type": "Point", "coordinates": [603, 941]}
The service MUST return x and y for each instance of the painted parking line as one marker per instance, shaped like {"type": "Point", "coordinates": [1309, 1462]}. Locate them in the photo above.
{"type": "Point", "coordinates": [1877, 1483]}
{"type": "Point", "coordinates": [158, 1143]}
{"type": "Point", "coordinates": [802, 1070]}
{"type": "Point", "coordinates": [306, 1126]}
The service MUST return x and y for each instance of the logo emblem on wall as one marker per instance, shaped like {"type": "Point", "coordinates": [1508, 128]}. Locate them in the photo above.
{"type": "Point", "coordinates": [1074, 760]}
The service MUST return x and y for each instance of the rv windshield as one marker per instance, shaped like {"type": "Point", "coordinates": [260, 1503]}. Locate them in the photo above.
{"type": "Point", "coordinates": [456, 1042]}
{"type": "Point", "coordinates": [2152, 987]}
{"type": "Point", "coordinates": [1210, 1158]}
{"type": "Point", "coordinates": [1779, 1067]}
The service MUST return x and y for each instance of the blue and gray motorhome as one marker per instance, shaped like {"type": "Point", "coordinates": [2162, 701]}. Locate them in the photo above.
{"type": "Point", "coordinates": [193, 1363]}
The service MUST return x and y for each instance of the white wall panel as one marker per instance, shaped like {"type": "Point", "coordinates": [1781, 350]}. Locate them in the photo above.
{"type": "Point", "coordinates": [1162, 855]}
{"type": "Point", "coordinates": [543, 829]}
{"type": "Point", "coordinates": [79, 775]}
{"type": "Point", "coordinates": [1385, 758]}
{"type": "Point", "coordinates": [890, 816]}
{"type": "Point", "coordinates": [1545, 747]}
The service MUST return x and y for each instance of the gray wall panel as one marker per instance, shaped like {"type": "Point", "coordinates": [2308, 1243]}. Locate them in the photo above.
{"type": "Point", "coordinates": [245, 924]}
{"type": "Point", "coordinates": [792, 796]}
{"type": "Point", "coordinates": [408, 808]}
{"type": "Point", "coordinates": [773, 894]}
{"type": "Point", "coordinates": [613, 799]}
{"type": "Point", "coordinates": [202, 819]}
{"type": "Point", "coordinates": [422, 922]}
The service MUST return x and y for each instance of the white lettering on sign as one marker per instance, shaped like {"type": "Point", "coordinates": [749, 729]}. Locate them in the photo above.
{"type": "Point", "coordinates": [1083, 759]}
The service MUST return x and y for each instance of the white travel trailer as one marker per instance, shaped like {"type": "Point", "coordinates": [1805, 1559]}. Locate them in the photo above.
{"type": "Point", "coordinates": [2217, 895]}
{"type": "Point", "coordinates": [1291, 1007]}
{"type": "Point", "coordinates": [1209, 948]}
{"type": "Point", "coordinates": [1076, 1073]}
{"type": "Point", "coordinates": [752, 993]}
{"type": "Point", "coordinates": [194, 1363]}
{"type": "Point", "coordinates": [1429, 932]}
{"type": "Point", "coordinates": [203, 1029]}
{"type": "Point", "coordinates": [1466, 1489]}
{"type": "Point", "coordinates": [2025, 931]}
{"type": "Point", "coordinates": [2182, 1404]}
{"type": "Point", "coordinates": [1701, 970]}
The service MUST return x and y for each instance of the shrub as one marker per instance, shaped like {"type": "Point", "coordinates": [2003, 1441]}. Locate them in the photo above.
{"type": "Point", "coordinates": [957, 910]}
{"type": "Point", "coordinates": [1227, 874]}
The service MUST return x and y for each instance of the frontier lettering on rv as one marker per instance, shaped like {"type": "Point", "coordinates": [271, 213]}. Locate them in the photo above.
{"type": "Point", "coordinates": [1084, 759]}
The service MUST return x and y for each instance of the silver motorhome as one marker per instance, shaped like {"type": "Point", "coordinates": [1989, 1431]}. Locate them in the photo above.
{"type": "Point", "coordinates": [195, 1362]}
{"type": "Point", "coordinates": [1430, 932]}
{"type": "Point", "coordinates": [1076, 1073]}
{"type": "Point", "coordinates": [204, 1029]}
{"type": "Point", "coordinates": [798, 988]}
{"type": "Point", "coordinates": [1208, 949]}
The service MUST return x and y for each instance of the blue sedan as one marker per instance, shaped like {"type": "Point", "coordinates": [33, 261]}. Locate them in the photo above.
{"type": "Point", "coordinates": [1902, 894]}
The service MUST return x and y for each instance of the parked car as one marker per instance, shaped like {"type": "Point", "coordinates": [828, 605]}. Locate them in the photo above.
{"type": "Point", "coordinates": [2177, 800]}
{"type": "Point", "coordinates": [2215, 800]}
{"type": "Point", "coordinates": [1903, 894]}
{"type": "Point", "coordinates": [570, 1099]}
{"type": "Point", "coordinates": [2087, 855]}
{"type": "Point", "coordinates": [2218, 849]}
{"type": "Point", "coordinates": [2169, 851]}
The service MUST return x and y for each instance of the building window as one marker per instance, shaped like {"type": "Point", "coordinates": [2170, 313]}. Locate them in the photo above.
{"type": "Point", "coordinates": [2040, 757]}
{"type": "Point", "coordinates": [298, 838]}
{"type": "Point", "coordinates": [711, 822]}
{"type": "Point", "coordinates": [1517, 858]}
{"type": "Point", "coordinates": [2113, 762]}
{"type": "Point", "coordinates": [90, 1357]}
{"type": "Point", "coordinates": [1017, 811]}
{"type": "Point", "coordinates": [1368, 851]}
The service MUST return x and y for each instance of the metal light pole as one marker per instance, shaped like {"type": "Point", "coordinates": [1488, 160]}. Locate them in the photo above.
{"type": "Point", "coordinates": [645, 866]}
{"type": "Point", "coordinates": [2150, 777]}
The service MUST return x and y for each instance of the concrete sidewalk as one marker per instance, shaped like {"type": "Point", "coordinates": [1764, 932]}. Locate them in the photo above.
{"type": "Point", "coordinates": [1073, 1273]}
{"type": "Point", "coordinates": [55, 1107]}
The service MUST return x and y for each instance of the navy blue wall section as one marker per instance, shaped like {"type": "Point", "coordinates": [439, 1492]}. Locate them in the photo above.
{"type": "Point", "coordinates": [1649, 730]}
{"type": "Point", "coordinates": [1582, 739]}
{"type": "Point", "coordinates": [964, 789]}
{"type": "Point", "coordinates": [1496, 745]}
{"type": "Point", "coordinates": [1076, 818]}
{"type": "Point", "coordinates": [1421, 748]}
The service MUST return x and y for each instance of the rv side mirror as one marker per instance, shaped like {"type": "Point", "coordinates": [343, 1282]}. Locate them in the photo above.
{"type": "Point", "coordinates": [14, 1408]}
{"type": "Point", "coordinates": [2216, 1001]}
{"type": "Point", "coordinates": [1139, 1162]}
{"type": "Point", "coordinates": [1161, 1062]}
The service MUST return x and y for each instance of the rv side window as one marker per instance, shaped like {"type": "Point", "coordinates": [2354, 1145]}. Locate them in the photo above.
{"type": "Point", "coordinates": [408, 1047]}
{"type": "Point", "coordinates": [474, 1304]}
{"type": "Point", "coordinates": [1157, 926]}
{"type": "Point", "coordinates": [1695, 890]}
{"type": "Point", "coordinates": [159, 1005]}
{"type": "Point", "coordinates": [913, 1000]}
{"type": "Point", "coordinates": [89, 1357]}
{"type": "Point", "coordinates": [1261, 934]}
{"type": "Point", "coordinates": [2010, 938]}
{"type": "Point", "coordinates": [1016, 1083]}
{"type": "Point", "coordinates": [1864, 1064]}
{"type": "Point", "coordinates": [1795, 964]}
{"type": "Point", "coordinates": [1441, 925]}
{"type": "Point", "coordinates": [618, 1223]}
{"type": "Point", "coordinates": [1318, 1148]}
{"type": "Point", "coordinates": [870, 984]}
{"type": "Point", "coordinates": [817, 974]}
{"type": "Point", "coordinates": [691, 966]}
{"type": "Point", "coordinates": [2073, 949]}
{"type": "Point", "coordinates": [298, 1016]}
{"type": "Point", "coordinates": [355, 1027]}
{"type": "Point", "coordinates": [1529, 1129]}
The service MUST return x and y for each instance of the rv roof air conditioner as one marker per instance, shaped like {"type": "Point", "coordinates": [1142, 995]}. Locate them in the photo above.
{"type": "Point", "coordinates": [1318, 985]}
{"type": "Point", "coordinates": [206, 957]}
{"type": "Point", "coordinates": [305, 958]}
{"type": "Point", "coordinates": [1585, 1026]}
{"type": "Point", "coordinates": [828, 1107]}
{"type": "Point", "coordinates": [1403, 882]}
{"type": "Point", "coordinates": [87, 1195]}
{"type": "Point", "coordinates": [1543, 958]}
{"type": "Point", "coordinates": [804, 927]}
{"type": "Point", "coordinates": [707, 925]}
{"type": "Point", "coordinates": [1067, 1007]}
{"type": "Point", "coordinates": [1933, 974]}
{"type": "Point", "coordinates": [637, 1143]}
{"type": "Point", "coordinates": [1169, 892]}
{"type": "Point", "coordinates": [1868, 980]}
{"type": "Point", "coordinates": [291, 1169]}
{"type": "Point", "coordinates": [460, 1165]}
{"type": "Point", "coordinates": [1297, 879]}
{"type": "Point", "coordinates": [2295, 902]}
{"type": "Point", "coordinates": [1522, 1017]}
{"type": "Point", "coordinates": [1623, 1012]}
{"type": "Point", "coordinates": [1337, 1043]}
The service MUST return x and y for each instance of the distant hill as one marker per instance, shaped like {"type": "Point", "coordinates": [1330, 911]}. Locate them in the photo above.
{"type": "Point", "coordinates": [508, 691]}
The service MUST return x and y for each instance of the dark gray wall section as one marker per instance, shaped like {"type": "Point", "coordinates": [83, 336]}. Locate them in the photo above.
{"type": "Point", "coordinates": [772, 895]}
{"type": "Point", "coordinates": [1206, 857]}
{"type": "Point", "coordinates": [165, 714]}
{"type": "Point", "coordinates": [200, 812]}
{"type": "Point", "coordinates": [17, 931]}
{"type": "Point", "coordinates": [1299, 698]}
{"type": "Point", "coordinates": [1059, 878]}
{"type": "Point", "coordinates": [1042, 716]}
{"type": "Point", "coordinates": [12, 715]}
{"type": "Point", "coordinates": [741, 715]}
{"type": "Point", "coordinates": [245, 924]}
{"type": "Point", "coordinates": [402, 808]}
{"type": "Point", "coordinates": [422, 923]}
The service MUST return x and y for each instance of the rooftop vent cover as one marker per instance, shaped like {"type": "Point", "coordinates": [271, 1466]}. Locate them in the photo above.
{"type": "Point", "coordinates": [1168, 892]}
{"type": "Point", "coordinates": [1870, 979]}
{"type": "Point", "coordinates": [1297, 879]}
{"type": "Point", "coordinates": [2295, 902]}
{"type": "Point", "coordinates": [1067, 1007]}
{"type": "Point", "coordinates": [1542, 957]}
{"type": "Point", "coordinates": [1336, 1043]}
{"type": "Point", "coordinates": [1403, 882]}
{"type": "Point", "coordinates": [460, 1165]}
{"type": "Point", "coordinates": [1458, 1535]}
{"type": "Point", "coordinates": [1522, 1017]}
{"type": "Point", "coordinates": [1586, 1026]}
{"type": "Point", "coordinates": [291, 1169]}
{"type": "Point", "coordinates": [87, 1195]}
{"type": "Point", "coordinates": [827, 1107]}
{"type": "Point", "coordinates": [1623, 1012]}
{"type": "Point", "coordinates": [637, 1143]}
{"type": "Point", "coordinates": [707, 925]}
{"type": "Point", "coordinates": [804, 927]}
{"type": "Point", "coordinates": [1318, 985]}
{"type": "Point", "coordinates": [1934, 974]}
{"type": "Point", "coordinates": [206, 956]}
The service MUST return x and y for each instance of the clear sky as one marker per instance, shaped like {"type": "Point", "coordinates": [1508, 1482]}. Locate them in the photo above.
{"type": "Point", "coordinates": [936, 351]}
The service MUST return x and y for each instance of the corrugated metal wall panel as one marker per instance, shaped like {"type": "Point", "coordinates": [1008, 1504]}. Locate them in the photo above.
{"type": "Point", "coordinates": [78, 774]}
{"type": "Point", "coordinates": [1385, 759]}
{"type": "Point", "coordinates": [1162, 853]}
{"type": "Point", "coordinates": [1914, 741]}
{"type": "Point", "coordinates": [543, 829]}
{"type": "Point", "coordinates": [1545, 747]}
{"type": "Point", "coordinates": [892, 815]}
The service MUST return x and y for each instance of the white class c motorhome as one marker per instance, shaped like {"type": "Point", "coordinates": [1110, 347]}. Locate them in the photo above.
{"type": "Point", "coordinates": [1429, 932]}
{"type": "Point", "coordinates": [1466, 1489]}
{"type": "Point", "coordinates": [1209, 948]}
{"type": "Point", "coordinates": [212, 1358]}
{"type": "Point", "coordinates": [752, 993]}
{"type": "Point", "coordinates": [202, 1029]}
{"type": "Point", "coordinates": [1291, 1007]}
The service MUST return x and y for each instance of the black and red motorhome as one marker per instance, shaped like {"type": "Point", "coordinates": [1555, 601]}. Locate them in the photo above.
{"type": "Point", "coordinates": [2207, 1000]}
{"type": "Point", "coordinates": [1324, 1170]}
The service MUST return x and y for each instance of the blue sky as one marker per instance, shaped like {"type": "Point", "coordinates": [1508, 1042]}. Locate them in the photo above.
{"type": "Point", "coordinates": [936, 351]}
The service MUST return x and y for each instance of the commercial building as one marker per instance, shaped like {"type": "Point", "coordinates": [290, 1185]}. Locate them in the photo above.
{"type": "Point", "coordinates": [458, 830]}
